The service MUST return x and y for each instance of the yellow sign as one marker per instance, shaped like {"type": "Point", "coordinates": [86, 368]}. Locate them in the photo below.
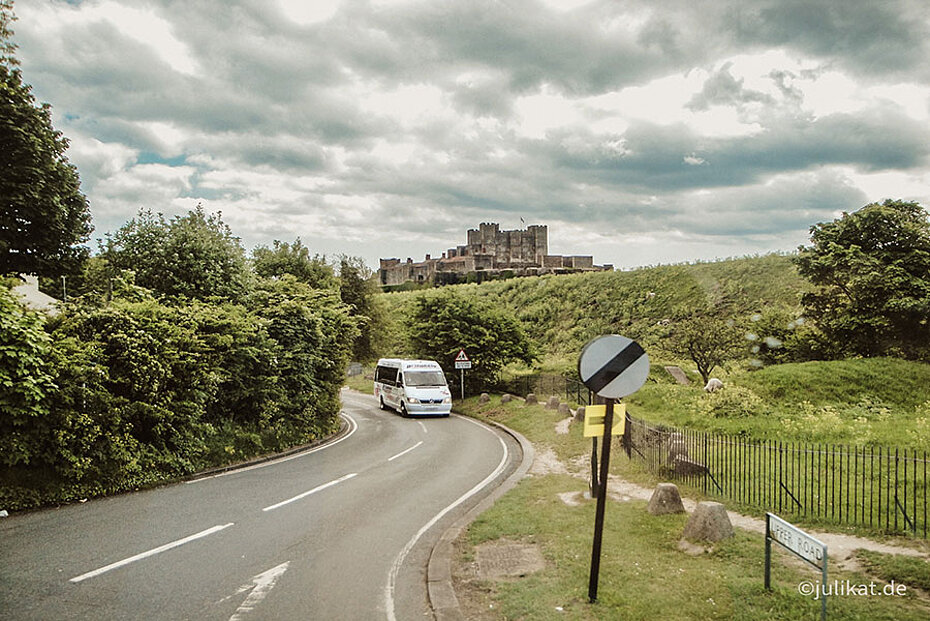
{"type": "Point", "coordinates": [594, 420]}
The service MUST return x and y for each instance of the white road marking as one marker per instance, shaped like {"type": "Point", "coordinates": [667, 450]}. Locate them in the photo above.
{"type": "Point", "coordinates": [153, 552]}
{"type": "Point", "coordinates": [312, 491]}
{"type": "Point", "coordinates": [422, 426]}
{"type": "Point", "coordinates": [399, 560]}
{"type": "Point", "coordinates": [261, 586]}
{"type": "Point", "coordinates": [405, 451]}
{"type": "Point", "coordinates": [352, 424]}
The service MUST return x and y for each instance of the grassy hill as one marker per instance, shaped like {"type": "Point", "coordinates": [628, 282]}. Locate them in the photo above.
{"type": "Point", "coordinates": [562, 312]}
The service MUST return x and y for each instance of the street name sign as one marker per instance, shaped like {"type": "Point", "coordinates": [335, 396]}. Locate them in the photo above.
{"type": "Point", "coordinates": [797, 541]}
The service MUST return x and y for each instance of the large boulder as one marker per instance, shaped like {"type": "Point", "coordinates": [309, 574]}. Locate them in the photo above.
{"type": "Point", "coordinates": [713, 385]}
{"type": "Point", "coordinates": [709, 522]}
{"type": "Point", "coordinates": [665, 499]}
{"type": "Point", "coordinates": [506, 398]}
{"type": "Point", "coordinates": [484, 398]}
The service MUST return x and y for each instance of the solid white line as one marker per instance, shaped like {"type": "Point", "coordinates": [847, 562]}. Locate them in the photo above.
{"type": "Point", "coordinates": [395, 567]}
{"type": "Point", "coordinates": [153, 552]}
{"type": "Point", "coordinates": [422, 426]}
{"type": "Point", "coordinates": [263, 583]}
{"type": "Point", "coordinates": [406, 451]}
{"type": "Point", "coordinates": [352, 424]}
{"type": "Point", "coordinates": [313, 491]}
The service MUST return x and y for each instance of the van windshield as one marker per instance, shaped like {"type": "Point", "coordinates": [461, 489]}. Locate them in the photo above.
{"type": "Point", "coordinates": [424, 378]}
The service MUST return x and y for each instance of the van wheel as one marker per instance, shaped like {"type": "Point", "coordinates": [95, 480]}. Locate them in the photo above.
{"type": "Point", "coordinates": [403, 409]}
{"type": "Point", "coordinates": [381, 403]}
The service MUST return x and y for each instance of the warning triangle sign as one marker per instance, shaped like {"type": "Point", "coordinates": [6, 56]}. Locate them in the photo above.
{"type": "Point", "coordinates": [461, 357]}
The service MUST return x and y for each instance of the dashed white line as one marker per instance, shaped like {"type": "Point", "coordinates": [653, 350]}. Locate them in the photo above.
{"type": "Point", "coordinates": [422, 426]}
{"type": "Point", "coordinates": [153, 552]}
{"type": "Point", "coordinates": [312, 491]}
{"type": "Point", "coordinates": [405, 451]}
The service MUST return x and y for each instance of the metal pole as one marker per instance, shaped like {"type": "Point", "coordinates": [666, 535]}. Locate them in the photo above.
{"type": "Point", "coordinates": [594, 483]}
{"type": "Point", "coordinates": [462, 372]}
{"type": "Point", "coordinates": [601, 501]}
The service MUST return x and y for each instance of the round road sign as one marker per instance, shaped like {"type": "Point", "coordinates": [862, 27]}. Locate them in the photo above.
{"type": "Point", "coordinates": [613, 366]}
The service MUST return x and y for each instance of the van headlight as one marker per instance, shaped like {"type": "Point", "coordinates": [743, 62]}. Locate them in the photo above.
{"type": "Point", "coordinates": [412, 400]}
{"type": "Point", "coordinates": [447, 400]}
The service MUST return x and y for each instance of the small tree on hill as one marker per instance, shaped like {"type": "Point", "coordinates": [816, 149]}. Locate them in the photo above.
{"type": "Point", "coordinates": [706, 340]}
{"type": "Point", "coordinates": [872, 273]}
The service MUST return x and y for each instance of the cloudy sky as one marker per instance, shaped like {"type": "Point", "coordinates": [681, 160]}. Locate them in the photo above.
{"type": "Point", "coordinates": [641, 131]}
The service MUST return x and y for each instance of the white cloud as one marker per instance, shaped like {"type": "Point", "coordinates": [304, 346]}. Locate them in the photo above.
{"type": "Point", "coordinates": [309, 11]}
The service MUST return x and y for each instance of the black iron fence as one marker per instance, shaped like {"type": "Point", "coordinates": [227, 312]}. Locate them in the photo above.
{"type": "Point", "coordinates": [546, 384]}
{"type": "Point", "coordinates": [875, 487]}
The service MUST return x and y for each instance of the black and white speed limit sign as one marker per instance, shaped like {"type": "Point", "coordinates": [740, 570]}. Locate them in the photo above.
{"type": "Point", "coordinates": [613, 366]}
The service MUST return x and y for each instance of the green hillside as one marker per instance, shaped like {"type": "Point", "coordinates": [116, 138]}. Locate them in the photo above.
{"type": "Point", "coordinates": [562, 312]}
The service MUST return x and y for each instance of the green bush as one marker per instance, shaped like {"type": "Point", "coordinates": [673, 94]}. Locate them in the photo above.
{"type": "Point", "coordinates": [731, 401]}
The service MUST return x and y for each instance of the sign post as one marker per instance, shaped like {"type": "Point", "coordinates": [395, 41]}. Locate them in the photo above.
{"type": "Point", "coordinates": [462, 362]}
{"type": "Point", "coordinates": [795, 540]}
{"type": "Point", "coordinates": [611, 366]}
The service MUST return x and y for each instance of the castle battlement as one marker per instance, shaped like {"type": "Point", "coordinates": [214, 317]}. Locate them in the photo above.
{"type": "Point", "coordinates": [488, 252]}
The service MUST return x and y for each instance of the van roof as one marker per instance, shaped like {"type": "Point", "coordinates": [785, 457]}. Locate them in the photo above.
{"type": "Point", "coordinates": [408, 364]}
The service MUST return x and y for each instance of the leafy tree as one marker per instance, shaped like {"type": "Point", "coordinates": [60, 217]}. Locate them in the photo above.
{"type": "Point", "coordinates": [707, 340]}
{"type": "Point", "coordinates": [294, 259]}
{"type": "Point", "coordinates": [359, 291]}
{"type": "Point", "coordinates": [43, 215]}
{"type": "Point", "coordinates": [195, 255]}
{"type": "Point", "coordinates": [871, 270]}
{"type": "Point", "coordinates": [442, 323]}
{"type": "Point", "coordinates": [25, 379]}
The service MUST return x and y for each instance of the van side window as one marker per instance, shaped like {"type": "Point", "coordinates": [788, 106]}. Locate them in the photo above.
{"type": "Point", "coordinates": [386, 375]}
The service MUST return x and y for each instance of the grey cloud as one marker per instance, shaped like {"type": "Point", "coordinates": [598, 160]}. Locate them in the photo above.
{"type": "Point", "coordinates": [723, 89]}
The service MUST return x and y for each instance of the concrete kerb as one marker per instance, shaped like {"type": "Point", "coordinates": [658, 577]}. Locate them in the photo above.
{"type": "Point", "coordinates": [343, 430]}
{"type": "Point", "coordinates": [441, 591]}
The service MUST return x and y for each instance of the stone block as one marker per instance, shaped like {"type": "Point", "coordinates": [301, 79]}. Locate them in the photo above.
{"type": "Point", "coordinates": [709, 522]}
{"type": "Point", "coordinates": [484, 398]}
{"type": "Point", "coordinates": [531, 399]}
{"type": "Point", "coordinates": [564, 410]}
{"type": "Point", "coordinates": [665, 499]}
{"type": "Point", "coordinates": [552, 403]}
{"type": "Point", "coordinates": [505, 398]}
{"type": "Point", "coordinates": [579, 414]}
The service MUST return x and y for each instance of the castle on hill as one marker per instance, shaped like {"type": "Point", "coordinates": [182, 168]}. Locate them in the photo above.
{"type": "Point", "coordinates": [489, 253]}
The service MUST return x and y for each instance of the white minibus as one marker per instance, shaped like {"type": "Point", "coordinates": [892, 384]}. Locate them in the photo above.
{"type": "Point", "coordinates": [412, 387]}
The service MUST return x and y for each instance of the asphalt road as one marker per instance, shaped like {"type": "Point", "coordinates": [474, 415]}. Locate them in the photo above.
{"type": "Point", "coordinates": [340, 532]}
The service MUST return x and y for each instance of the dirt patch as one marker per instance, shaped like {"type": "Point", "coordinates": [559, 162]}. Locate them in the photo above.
{"type": "Point", "coordinates": [496, 560]}
{"type": "Point", "coordinates": [562, 426]}
{"type": "Point", "coordinates": [572, 499]}
{"type": "Point", "coordinates": [546, 462]}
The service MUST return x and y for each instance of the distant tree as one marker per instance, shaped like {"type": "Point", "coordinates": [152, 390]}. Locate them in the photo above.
{"type": "Point", "coordinates": [441, 323]}
{"type": "Point", "coordinates": [43, 215]}
{"type": "Point", "coordinates": [871, 270]}
{"type": "Point", "coordinates": [294, 259]}
{"type": "Point", "coordinates": [359, 291]}
{"type": "Point", "coordinates": [195, 255]}
{"type": "Point", "coordinates": [707, 340]}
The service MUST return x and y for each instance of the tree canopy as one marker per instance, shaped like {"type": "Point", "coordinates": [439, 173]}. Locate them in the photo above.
{"type": "Point", "coordinates": [195, 255]}
{"type": "Point", "coordinates": [294, 259]}
{"type": "Point", "coordinates": [442, 323]}
{"type": "Point", "coordinates": [871, 269]}
{"type": "Point", "coordinates": [43, 214]}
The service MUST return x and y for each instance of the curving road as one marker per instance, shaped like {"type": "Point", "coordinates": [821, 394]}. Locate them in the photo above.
{"type": "Point", "coordinates": [342, 531]}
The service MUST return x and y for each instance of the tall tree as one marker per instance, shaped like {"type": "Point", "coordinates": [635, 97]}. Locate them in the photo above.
{"type": "Point", "coordinates": [294, 259]}
{"type": "Point", "coordinates": [359, 291]}
{"type": "Point", "coordinates": [871, 269]}
{"type": "Point", "coordinates": [195, 255]}
{"type": "Point", "coordinates": [43, 215]}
